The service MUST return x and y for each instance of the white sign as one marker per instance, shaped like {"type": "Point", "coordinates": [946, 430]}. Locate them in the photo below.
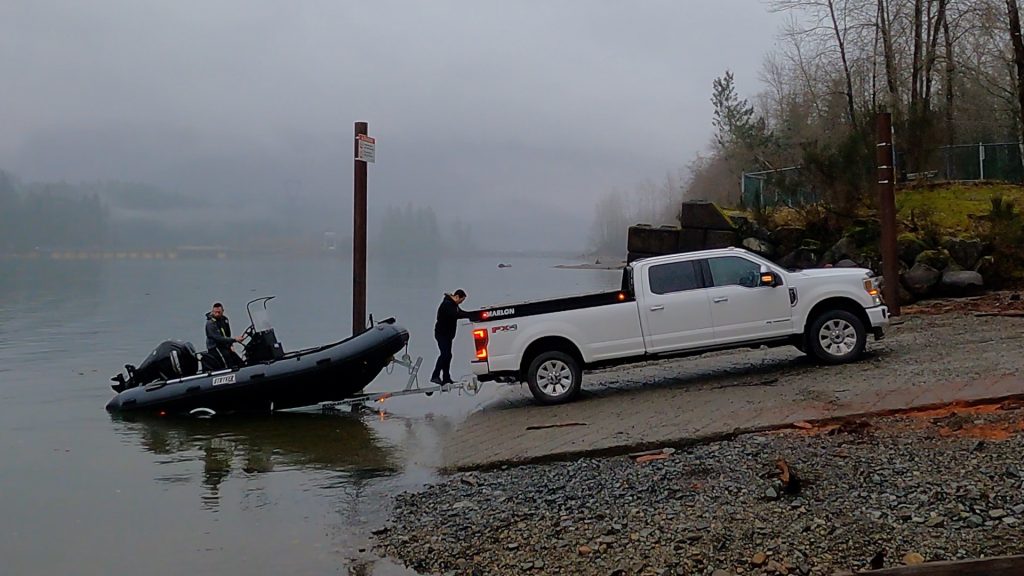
{"type": "Point", "coordinates": [229, 379]}
{"type": "Point", "coordinates": [365, 148]}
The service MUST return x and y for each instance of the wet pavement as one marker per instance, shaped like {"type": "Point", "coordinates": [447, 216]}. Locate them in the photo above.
{"type": "Point", "coordinates": [926, 360]}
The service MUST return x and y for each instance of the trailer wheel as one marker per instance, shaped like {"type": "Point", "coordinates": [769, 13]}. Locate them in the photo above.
{"type": "Point", "coordinates": [554, 377]}
{"type": "Point", "coordinates": [836, 337]}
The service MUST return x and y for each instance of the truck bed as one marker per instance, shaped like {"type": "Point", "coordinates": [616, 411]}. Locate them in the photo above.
{"type": "Point", "coordinates": [535, 307]}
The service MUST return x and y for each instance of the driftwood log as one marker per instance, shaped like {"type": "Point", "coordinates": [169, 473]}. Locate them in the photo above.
{"type": "Point", "coordinates": [998, 566]}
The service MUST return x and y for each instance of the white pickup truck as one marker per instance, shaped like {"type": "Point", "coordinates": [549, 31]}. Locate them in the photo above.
{"type": "Point", "coordinates": [678, 305]}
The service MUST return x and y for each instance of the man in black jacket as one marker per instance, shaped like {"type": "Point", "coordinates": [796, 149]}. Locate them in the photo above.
{"type": "Point", "coordinates": [448, 314]}
{"type": "Point", "coordinates": [219, 339]}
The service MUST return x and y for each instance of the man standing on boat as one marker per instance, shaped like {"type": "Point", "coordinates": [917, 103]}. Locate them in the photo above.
{"type": "Point", "coordinates": [218, 337]}
{"type": "Point", "coordinates": [448, 314]}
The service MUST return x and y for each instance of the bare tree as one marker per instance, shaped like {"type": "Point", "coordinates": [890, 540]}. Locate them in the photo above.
{"type": "Point", "coordinates": [953, 73]}
{"type": "Point", "coordinates": [1013, 11]}
{"type": "Point", "coordinates": [950, 86]}
{"type": "Point", "coordinates": [915, 70]}
{"type": "Point", "coordinates": [930, 55]}
{"type": "Point", "coordinates": [826, 17]}
{"type": "Point", "coordinates": [840, 33]}
{"type": "Point", "coordinates": [987, 73]}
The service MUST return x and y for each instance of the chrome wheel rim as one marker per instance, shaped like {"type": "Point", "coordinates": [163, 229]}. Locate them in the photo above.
{"type": "Point", "coordinates": [838, 337]}
{"type": "Point", "coordinates": [554, 378]}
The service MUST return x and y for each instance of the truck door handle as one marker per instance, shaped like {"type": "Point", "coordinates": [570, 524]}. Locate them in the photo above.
{"type": "Point", "coordinates": [656, 308]}
{"type": "Point", "coordinates": [719, 299]}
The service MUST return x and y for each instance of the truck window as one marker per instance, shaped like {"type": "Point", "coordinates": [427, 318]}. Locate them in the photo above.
{"type": "Point", "coordinates": [627, 280]}
{"type": "Point", "coordinates": [734, 271]}
{"type": "Point", "coordinates": [673, 277]}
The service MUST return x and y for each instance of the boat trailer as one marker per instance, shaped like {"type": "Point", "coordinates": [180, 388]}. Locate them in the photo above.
{"type": "Point", "coordinates": [468, 384]}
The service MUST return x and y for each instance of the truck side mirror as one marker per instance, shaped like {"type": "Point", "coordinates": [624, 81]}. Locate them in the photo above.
{"type": "Point", "coordinates": [769, 278]}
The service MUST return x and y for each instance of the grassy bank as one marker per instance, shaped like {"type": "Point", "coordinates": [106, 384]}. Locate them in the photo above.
{"type": "Point", "coordinates": [952, 206]}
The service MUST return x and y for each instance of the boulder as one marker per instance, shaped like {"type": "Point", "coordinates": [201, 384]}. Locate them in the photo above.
{"type": "Point", "coordinates": [811, 245]}
{"type": "Point", "coordinates": [865, 231]}
{"type": "Point", "coordinates": [846, 248]}
{"type": "Point", "coordinates": [788, 237]}
{"type": "Point", "coordinates": [651, 240]}
{"type": "Point", "coordinates": [964, 251]}
{"type": "Point", "coordinates": [741, 221]}
{"type": "Point", "coordinates": [920, 279]}
{"type": "Point", "coordinates": [719, 239]}
{"type": "Point", "coordinates": [937, 259]}
{"type": "Point", "coordinates": [692, 239]}
{"type": "Point", "coordinates": [760, 232]}
{"type": "Point", "coordinates": [909, 246]}
{"type": "Point", "coordinates": [759, 246]}
{"type": "Point", "coordinates": [846, 263]}
{"type": "Point", "coordinates": [706, 215]}
{"type": "Point", "coordinates": [962, 283]}
{"type": "Point", "coordinates": [986, 265]}
{"type": "Point", "coordinates": [799, 259]}
{"type": "Point", "coordinates": [904, 295]}
{"type": "Point", "coordinates": [906, 298]}
{"type": "Point", "coordinates": [632, 256]}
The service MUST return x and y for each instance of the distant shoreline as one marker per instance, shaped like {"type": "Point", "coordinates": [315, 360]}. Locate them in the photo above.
{"type": "Point", "coordinates": [595, 266]}
{"type": "Point", "coordinates": [571, 261]}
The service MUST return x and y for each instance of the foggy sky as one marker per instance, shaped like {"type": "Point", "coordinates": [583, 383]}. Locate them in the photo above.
{"type": "Point", "coordinates": [514, 114]}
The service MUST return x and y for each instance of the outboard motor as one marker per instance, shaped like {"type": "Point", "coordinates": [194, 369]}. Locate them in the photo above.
{"type": "Point", "coordinates": [171, 359]}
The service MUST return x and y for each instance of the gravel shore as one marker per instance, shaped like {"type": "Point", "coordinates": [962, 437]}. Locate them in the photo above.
{"type": "Point", "coordinates": [931, 486]}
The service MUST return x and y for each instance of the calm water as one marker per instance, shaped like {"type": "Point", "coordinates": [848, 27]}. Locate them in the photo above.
{"type": "Point", "coordinates": [82, 492]}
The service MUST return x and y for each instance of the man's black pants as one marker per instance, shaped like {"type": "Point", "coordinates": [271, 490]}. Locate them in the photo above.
{"type": "Point", "coordinates": [443, 366]}
{"type": "Point", "coordinates": [218, 359]}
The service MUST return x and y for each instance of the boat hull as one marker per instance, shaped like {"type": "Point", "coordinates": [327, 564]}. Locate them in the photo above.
{"type": "Point", "coordinates": [302, 378]}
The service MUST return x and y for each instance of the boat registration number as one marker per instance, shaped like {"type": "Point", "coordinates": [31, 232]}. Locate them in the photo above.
{"type": "Point", "coordinates": [228, 379]}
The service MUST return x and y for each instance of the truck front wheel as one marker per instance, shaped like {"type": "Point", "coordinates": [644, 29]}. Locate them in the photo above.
{"type": "Point", "coordinates": [554, 377]}
{"type": "Point", "coordinates": [836, 336]}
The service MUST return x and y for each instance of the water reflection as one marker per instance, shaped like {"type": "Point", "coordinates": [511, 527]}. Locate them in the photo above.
{"type": "Point", "coordinates": [60, 289]}
{"type": "Point", "coordinates": [244, 447]}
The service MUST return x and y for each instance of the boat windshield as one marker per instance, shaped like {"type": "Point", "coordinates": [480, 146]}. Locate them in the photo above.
{"type": "Point", "coordinates": [259, 314]}
{"type": "Point", "coordinates": [261, 320]}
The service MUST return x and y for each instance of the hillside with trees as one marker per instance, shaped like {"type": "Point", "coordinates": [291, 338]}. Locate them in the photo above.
{"type": "Point", "coordinates": [949, 71]}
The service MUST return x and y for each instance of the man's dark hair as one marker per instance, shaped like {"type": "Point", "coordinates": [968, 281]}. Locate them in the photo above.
{"type": "Point", "coordinates": [460, 293]}
{"type": "Point", "coordinates": [218, 305]}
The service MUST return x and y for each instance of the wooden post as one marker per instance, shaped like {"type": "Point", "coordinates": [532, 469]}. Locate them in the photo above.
{"type": "Point", "coordinates": [997, 566]}
{"type": "Point", "coordinates": [887, 211]}
{"type": "Point", "coordinates": [359, 236]}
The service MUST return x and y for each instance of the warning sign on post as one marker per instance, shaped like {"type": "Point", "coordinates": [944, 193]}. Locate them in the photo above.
{"type": "Point", "coordinates": [365, 149]}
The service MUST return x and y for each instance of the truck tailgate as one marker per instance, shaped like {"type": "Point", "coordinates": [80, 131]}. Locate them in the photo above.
{"type": "Point", "coordinates": [600, 333]}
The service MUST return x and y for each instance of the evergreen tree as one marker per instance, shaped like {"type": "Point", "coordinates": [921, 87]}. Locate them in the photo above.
{"type": "Point", "coordinates": [734, 119]}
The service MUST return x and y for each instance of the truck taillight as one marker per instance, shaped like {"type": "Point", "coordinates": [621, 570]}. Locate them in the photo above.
{"type": "Point", "coordinates": [480, 340]}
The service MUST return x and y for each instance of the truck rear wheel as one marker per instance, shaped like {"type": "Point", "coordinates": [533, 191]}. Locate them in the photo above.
{"type": "Point", "coordinates": [836, 337]}
{"type": "Point", "coordinates": [554, 377]}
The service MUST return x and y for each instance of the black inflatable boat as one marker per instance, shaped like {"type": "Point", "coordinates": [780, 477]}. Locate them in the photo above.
{"type": "Point", "coordinates": [174, 379]}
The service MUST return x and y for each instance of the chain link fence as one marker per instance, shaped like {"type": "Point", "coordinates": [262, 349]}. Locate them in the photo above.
{"type": "Point", "coordinates": [775, 188]}
{"type": "Point", "coordinates": [998, 161]}
{"type": "Point", "coordinates": [993, 161]}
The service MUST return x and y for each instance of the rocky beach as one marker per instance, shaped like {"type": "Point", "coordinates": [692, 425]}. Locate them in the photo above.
{"type": "Point", "coordinates": [931, 486]}
{"type": "Point", "coordinates": [816, 498]}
